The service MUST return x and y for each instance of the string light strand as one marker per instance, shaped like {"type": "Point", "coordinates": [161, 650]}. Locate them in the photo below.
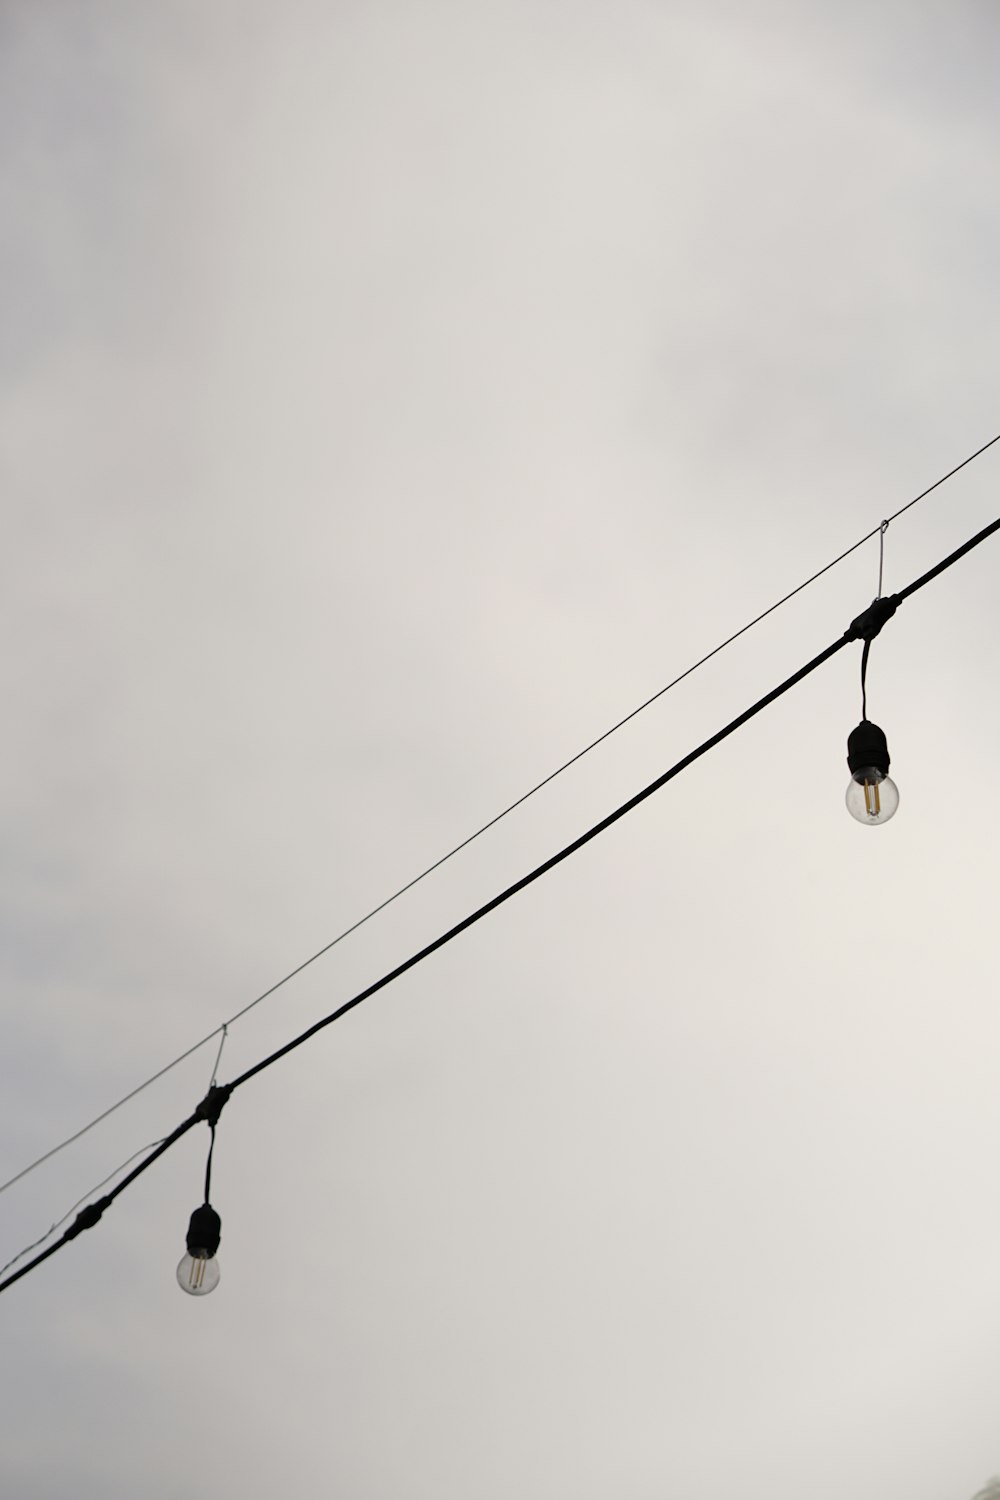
{"type": "Point", "coordinates": [864, 627]}
{"type": "Point", "coordinates": [879, 531]}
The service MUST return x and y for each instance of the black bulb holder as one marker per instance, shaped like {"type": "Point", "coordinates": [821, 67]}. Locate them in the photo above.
{"type": "Point", "coordinates": [204, 1232]}
{"type": "Point", "coordinates": [867, 746]}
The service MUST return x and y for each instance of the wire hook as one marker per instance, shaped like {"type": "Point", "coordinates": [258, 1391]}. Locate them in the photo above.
{"type": "Point", "coordinates": [881, 554]}
{"type": "Point", "coordinates": [218, 1055]}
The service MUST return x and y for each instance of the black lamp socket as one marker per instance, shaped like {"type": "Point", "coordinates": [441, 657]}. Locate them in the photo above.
{"type": "Point", "coordinates": [866, 746]}
{"type": "Point", "coordinates": [204, 1231]}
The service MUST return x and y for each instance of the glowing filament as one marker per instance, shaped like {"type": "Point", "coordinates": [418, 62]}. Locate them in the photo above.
{"type": "Point", "coordinates": [872, 804]}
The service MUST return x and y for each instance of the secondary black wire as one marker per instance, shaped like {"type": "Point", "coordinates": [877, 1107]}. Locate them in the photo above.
{"type": "Point", "coordinates": [132, 1094]}
{"type": "Point", "coordinates": [96, 1188]}
{"type": "Point", "coordinates": [209, 1107]}
{"type": "Point", "coordinates": [320, 952]}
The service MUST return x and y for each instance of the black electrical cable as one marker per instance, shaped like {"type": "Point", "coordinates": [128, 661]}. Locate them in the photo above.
{"type": "Point", "coordinates": [547, 865]}
{"type": "Point", "coordinates": [946, 562]}
{"type": "Point", "coordinates": [90, 1215]}
{"type": "Point", "coordinates": [879, 531]}
{"type": "Point", "coordinates": [859, 629]}
{"type": "Point", "coordinates": [864, 627]}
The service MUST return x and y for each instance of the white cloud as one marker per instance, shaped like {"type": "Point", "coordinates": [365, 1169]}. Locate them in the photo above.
{"type": "Point", "coordinates": [391, 400]}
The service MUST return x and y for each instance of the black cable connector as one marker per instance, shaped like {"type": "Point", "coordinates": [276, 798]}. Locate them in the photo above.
{"type": "Point", "coordinates": [87, 1217]}
{"type": "Point", "coordinates": [868, 624]}
{"type": "Point", "coordinates": [214, 1102]}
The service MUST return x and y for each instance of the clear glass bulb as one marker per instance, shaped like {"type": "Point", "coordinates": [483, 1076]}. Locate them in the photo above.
{"type": "Point", "coordinates": [198, 1274]}
{"type": "Point", "coordinates": [872, 797]}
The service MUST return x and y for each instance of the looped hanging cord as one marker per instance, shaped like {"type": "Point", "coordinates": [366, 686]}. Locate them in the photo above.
{"type": "Point", "coordinates": [215, 1066]}
{"type": "Point", "coordinates": [881, 554]}
{"type": "Point", "coordinates": [883, 528]}
{"type": "Point", "coordinates": [864, 673]}
{"type": "Point", "coordinates": [208, 1167]}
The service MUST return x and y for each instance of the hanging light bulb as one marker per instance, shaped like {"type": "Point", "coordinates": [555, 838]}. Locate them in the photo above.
{"type": "Point", "coordinates": [198, 1272]}
{"type": "Point", "coordinates": [872, 795]}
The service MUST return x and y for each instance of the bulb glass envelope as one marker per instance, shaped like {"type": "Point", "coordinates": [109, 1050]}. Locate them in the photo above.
{"type": "Point", "coordinates": [871, 797]}
{"type": "Point", "coordinates": [198, 1274]}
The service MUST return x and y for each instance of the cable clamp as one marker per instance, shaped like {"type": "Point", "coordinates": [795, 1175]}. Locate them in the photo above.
{"type": "Point", "coordinates": [868, 624]}
{"type": "Point", "coordinates": [212, 1105]}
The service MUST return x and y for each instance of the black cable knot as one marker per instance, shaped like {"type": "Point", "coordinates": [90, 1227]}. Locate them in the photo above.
{"type": "Point", "coordinates": [212, 1105]}
{"type": "Point", "coordinates": [868, 624]}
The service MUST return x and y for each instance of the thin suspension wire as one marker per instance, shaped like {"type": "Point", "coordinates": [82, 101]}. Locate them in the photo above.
{"type": "Point", "coordinates": [92, 1213]}
{"type": "Point", "coordinates": [943, 480]}
{"type": "Point", "coordinates": [132, 1094]}
{"type": "Point", "coordinates": [320, 952]}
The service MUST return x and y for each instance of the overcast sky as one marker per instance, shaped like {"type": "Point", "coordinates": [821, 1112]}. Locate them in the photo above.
{"type": "Point", "coordinates": [392, 396]}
